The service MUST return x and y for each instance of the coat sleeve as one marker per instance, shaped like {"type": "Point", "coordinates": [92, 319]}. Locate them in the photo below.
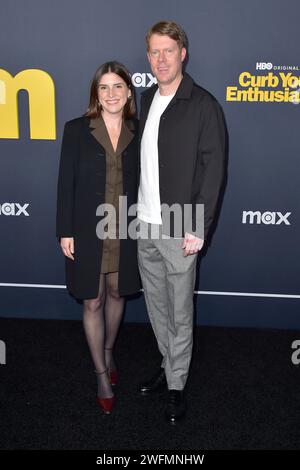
{"type": "Point", "coordinates": [211, 159]}
{"type": "Point", "coordinates": [66, 182]}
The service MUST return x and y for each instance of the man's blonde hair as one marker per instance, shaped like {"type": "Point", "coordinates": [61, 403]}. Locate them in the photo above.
{"type": "Point", "coordinates": [168, 28]}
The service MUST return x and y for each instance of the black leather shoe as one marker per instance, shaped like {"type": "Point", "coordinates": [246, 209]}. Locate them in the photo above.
{"type": "Point", "coordinates": [156, 384]}
{"type": "Point", "coordinates": [176, 406]}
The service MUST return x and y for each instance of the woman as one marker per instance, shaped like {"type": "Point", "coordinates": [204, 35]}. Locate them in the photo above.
{"type": "Point", "coordinates": [99, 162]}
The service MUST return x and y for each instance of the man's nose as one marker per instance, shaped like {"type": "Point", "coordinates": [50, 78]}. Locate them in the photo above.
{"type": "Point", "coordinates": [161, 56]}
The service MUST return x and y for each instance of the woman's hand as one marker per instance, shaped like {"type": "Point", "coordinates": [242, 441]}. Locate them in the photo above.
{"type": "Point", "coordinates": [67, 246]}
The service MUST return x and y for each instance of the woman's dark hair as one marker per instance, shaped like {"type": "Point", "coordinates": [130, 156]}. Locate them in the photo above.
{"type": "Point", "coordinates": [94, 109]}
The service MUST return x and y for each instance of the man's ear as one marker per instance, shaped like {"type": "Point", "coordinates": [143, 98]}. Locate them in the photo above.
{"type": "Point", "coordinates": [183, 54]}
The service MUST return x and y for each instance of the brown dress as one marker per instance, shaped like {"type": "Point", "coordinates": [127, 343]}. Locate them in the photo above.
{"type": "Point", "coordinates": [113, 186]}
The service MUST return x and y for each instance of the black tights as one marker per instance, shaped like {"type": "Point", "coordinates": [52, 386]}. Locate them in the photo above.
{"type": "Point", "coordinates": [101, 320]}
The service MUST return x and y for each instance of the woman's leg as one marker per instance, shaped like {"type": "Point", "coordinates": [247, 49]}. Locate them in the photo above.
{"type": "Point", "coordinates": [114, 307]}
{"type": "Point", "coordinates": [94, 326]}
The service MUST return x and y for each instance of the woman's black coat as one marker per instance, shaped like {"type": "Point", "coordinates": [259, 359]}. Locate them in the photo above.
{"type": "Point", "coordinates": [81, 189]}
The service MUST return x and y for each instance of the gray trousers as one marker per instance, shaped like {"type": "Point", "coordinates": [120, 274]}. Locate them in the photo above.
{"type": "Point", "coordinates": [168, 280]}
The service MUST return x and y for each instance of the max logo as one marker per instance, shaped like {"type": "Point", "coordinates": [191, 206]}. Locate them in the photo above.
{"type": "Point", "coordinates": [144, 80]}
{"type": "Point", "coordinates": [41, 95]}
{"type": "Point", "coordinates": [13, 208]}
{"type": "Point", "coordinates": [267, 218]}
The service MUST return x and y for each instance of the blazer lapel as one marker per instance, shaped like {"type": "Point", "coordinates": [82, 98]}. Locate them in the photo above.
{"type": "Point", "coordinates": [126, 136]}
{"type": "Point", "coordinates": [99, 131]}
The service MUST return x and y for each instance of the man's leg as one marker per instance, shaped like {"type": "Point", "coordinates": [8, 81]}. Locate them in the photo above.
{"type": "Point", "coordinates": [153, 275]}
{"type": "Point", "coordinates": [181, 274]}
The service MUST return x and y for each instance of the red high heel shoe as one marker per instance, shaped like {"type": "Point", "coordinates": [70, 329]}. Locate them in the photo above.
{"type": "Point", "coordinates": [106, 404]}
{"type": "Point", "coordinates": [113, 377]}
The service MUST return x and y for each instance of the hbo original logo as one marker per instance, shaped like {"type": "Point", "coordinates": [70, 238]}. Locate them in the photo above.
{"type": "Point", "coordinates": [264, 65]}
{"type": "Point", "coordinates": [14, 208]}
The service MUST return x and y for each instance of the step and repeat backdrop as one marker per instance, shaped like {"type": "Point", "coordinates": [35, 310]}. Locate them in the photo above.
{"type": "Point", "coordinates": [246, 55]}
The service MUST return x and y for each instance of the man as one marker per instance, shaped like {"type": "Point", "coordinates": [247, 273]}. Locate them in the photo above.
{"type": "Point", "coordinates": [182, 161]}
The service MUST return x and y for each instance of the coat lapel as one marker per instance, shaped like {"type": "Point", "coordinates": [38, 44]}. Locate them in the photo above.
{"type": "Point", "coordinates": [126, 136]}
{"type": "Point", "coordinates": [99, 131]}
{"type": "Point", "coordinates": [184, 91]}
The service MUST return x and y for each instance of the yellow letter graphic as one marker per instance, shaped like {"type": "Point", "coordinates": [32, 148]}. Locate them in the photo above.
{"type": "Point", "coordinates": [40, 88]}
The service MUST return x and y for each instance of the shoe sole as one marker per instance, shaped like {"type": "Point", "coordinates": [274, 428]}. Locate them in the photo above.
{"type": "Point", "coordinates": [153, 392]}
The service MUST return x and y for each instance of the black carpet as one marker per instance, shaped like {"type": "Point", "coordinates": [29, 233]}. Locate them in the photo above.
{"type": "Point", "coordinates": [243, 391]}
